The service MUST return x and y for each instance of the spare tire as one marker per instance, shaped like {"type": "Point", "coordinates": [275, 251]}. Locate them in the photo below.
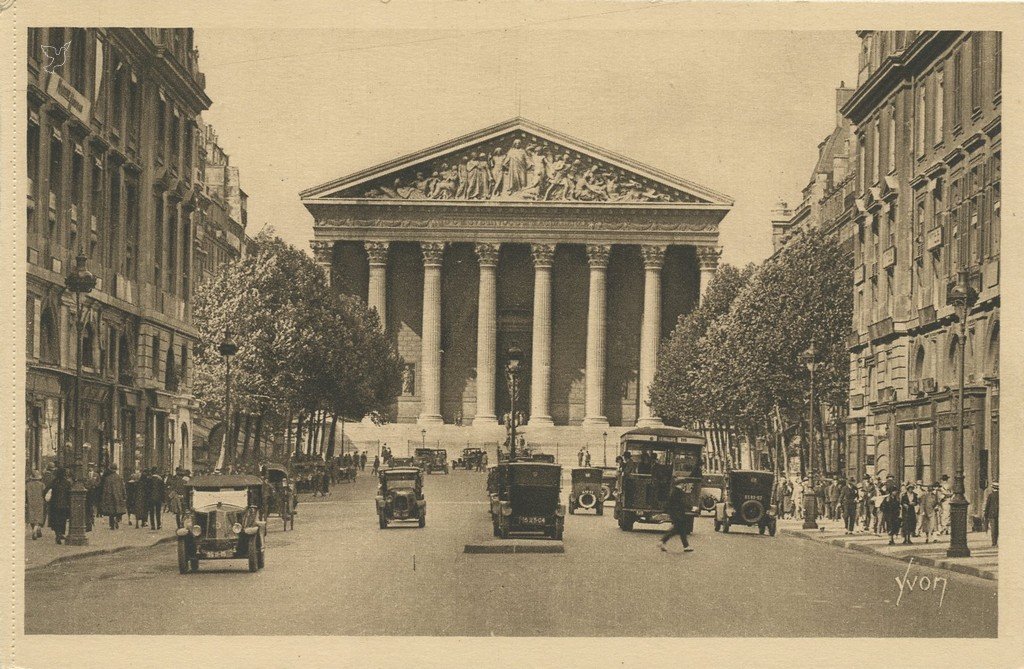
{"type": "Point", "coordinates": [707, 503]}
{"type": "Point", "coordinates": [752, 511]}
{"type": "Point", "coordinates": [587, 500]}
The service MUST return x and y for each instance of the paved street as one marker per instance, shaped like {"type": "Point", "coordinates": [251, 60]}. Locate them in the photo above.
{"type": "Point", "coordinates": [337, 573]}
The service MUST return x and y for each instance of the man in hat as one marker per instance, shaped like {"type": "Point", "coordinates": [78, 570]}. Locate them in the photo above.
{"type": "Point", "coordinates": [680, 522]}
{"type": "Point", "coordinates": [992, 512]}
{"type": "Point", "coordinates": [113, 497]}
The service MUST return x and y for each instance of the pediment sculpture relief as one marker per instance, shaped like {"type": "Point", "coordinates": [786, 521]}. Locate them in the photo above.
{"type": "Point", "coordinates": [519, 167]}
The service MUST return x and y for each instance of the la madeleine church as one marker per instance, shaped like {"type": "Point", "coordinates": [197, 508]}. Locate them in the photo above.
{"type": "Point", "coordinates": [520, 236]}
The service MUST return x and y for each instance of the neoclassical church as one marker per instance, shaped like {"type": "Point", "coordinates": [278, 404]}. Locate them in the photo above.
{"type": "Point", "coordinates": [518, 235]}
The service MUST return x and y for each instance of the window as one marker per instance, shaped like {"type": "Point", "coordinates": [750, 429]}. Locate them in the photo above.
{"type": "Point", "coordinates": [175, 138]}
{"type": "Point", "coordinates": [114, 223]}
{"type": "Point", "coordinates": [183, 364]}
{"type": "Point", "coordinates": [161, 128]}
{"type": "Point", "coordinates": [56, 182]}
{"type": "Point", "coordinates": [975, 71]}
{"type": "Point", "coordinates": [77, 185]}
{"type": "Point", "coordinates": [134, 109]}
{"type": "Point", "coordinates": [31, 327]}
{"type": "Point", "coordinates": [32, 164]}
{"type": "Point", "coordinates": [124, 361]}
{"type": "Point", "coordinates": [111, 360]}
{"type": "Point", "coordinates": [99, 65]}
{"type": "Point", "coordinates": [131, 230]}
{"type": "Point", "coordinates": [88, 346]}
{"type": "Point", "coordinates": [48, 338]}
{"type": "Point", "coordinates": [187, 152]}
{"type": "Point", "coordinates": [172, 250]}
{"type": "Point", "coordinates": [940, 103]}
{"type": "Point", "coordinates": [994, 204]}
{"type": "Point", "coordinates": [117, 101]}
{"type": "Point", "coordinates": [158, 240]}
{"type": "Point", "coordinates": [997, 63]}
{"type": "Point", "coordinates": [875, 138]}
{"type": "Point", "coordinates": [35, 43]}
{"type": "Point", "coordinates": [919, 370]}
{"type": "Point", "coordinates": [922, 98]}
{"type": "Point", "coordinates": [170, 370]}
{"type": "Point", "coordinates": [890, 141]}
{"type": "Point", "coordinates": [861, 163]}
{"type": "Point", "coordinates": [76, 67]}
{"type": "Point", "coordinates": [186, 261]}
{"type": "Point", "coordinates": [958, 90]}
{"type": "Point", "coordinates": [155, 352]}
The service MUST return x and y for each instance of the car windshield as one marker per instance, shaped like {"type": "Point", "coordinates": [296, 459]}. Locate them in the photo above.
{"type": "Point", "coordinates": [401, 481]}
{"type": "Point", "coordinates": [226, 496]}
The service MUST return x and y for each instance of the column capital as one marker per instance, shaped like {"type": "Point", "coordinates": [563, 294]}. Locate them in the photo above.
{"type": "Point", "coordinates": [322, 250]}
{"type": "Point", "coordinates": [543, 254]}
{"type": "Point", "coordinates": [654, 256]}
{"type": "Point", "coordinates": [488, 254]}
{"type": "Point", "coordinates": [377, 251]}
{"type": "Point", "coordinates": [597, 255]}
{"type": "Point", "coordinates": [433, 253]}
{"type": "Point", "coordinates": [707, 256]}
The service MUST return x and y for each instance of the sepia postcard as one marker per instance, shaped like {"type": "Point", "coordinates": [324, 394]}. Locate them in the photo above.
{"type": "Point", "coordinates": [467, 333]}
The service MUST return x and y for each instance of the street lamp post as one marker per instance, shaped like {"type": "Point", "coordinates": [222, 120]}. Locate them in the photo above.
{"type": "Point", "coordinates": [80, 282]}
{"type": "Point", "coordinates": [227, 348]}
{"type": "Point", "coordinates": [513, 366]}
{"type": "Point", "coordinates": [423, 441]}
{"type": "Point", "coordinates": [962, 296]}
{"type": "Point", "coordinates": [604, 449]}
{"type": "Point", "coordinates": [810, 360]}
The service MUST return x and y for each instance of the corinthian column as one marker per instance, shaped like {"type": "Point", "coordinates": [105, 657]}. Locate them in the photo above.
{"type": "Point", "coordinates": [650, 331]}
{"type": "Point", "coordinates": [540, 375]}
{"type": "Point", "coordinates": [486, 333]}
{"type": "Point", "coordinates": [377, 295]}
{"type": "Point", "coordinates": [430, 357]}
{"type": "Point", "coordinates": [707, 258]}
{"type": "Point", "coordinates": [597, 256]}
{"type": "Point", "coordinates": [323, 254]}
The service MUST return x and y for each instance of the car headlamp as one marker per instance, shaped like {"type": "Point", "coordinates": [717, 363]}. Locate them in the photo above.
{"type": "Point", "coordinates": [196, 530]}
{"type": "Point", "coordinates": [236, 528]}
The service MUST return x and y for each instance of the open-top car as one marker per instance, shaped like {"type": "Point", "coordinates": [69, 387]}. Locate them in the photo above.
{"type": "Point", "coordinates": [470, 459]}
{"type": "Point", "coordinates": [747, 500]}
{"type": "Point", "coordinates": [527, 499]}
{"type": "Point", "coordinates": [281, 498]}
{"type": "Point", "coordinates": [222, 521]}
{"type": "Point", "coordinates": [654, 459]}
{"type": "Point", "coordinates": [712, 488]}
{"type": "Point", "coordinates": [586, 490]}
{"type": "Point", "coordinates": [400, 496]}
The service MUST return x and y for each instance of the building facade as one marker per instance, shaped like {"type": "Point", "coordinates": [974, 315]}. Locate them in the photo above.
{"type": "Point", "coordinates": [113, 172]}
{"type": "Point", "coordinates": [520, 236]}
{"type": "Point", "coordinates": [927, 117]}
{"type": "Point", "coordinates": [223, 215]}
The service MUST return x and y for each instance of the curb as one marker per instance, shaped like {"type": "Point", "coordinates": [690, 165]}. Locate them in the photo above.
{"type": "Point", "coordinates": [515, 546]}
{"type": "Point", "coordinates": [937, 563]}
{"type": "Point", "coordinates": [99, 551]}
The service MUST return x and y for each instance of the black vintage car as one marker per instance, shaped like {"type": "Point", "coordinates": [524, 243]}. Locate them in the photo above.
{"type": "Point", "coordinates": [747, 500]}
{"type": "Point", "coordinates": [437, 461]}
{"type": "Point", "coordinates": [654, 459]}
{"type": "Point", "coordinates": [471, 458]}
{"type": "Point", "coordinates": [281, 499]}
{"type": "Point", "coordinates": [400, 496]}
{"type": "Point", "coordinates": [526, 500]}
{"type": "Point", "coordinates": [222, 521]}
{"type": "Point", "coordinates": [586, 490]}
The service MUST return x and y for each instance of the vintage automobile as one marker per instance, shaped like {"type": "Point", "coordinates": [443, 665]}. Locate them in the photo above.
{"type": "Point", "coordinates": [535, 456]}
{"type": "Point", "coordinates": [222, 521]}
{"type": "Point", "coordinates": [747, 500]}
{"type": "Point", "coordinates": [609, 478]}
{"type": "Point", "coordinates": [281, 499]}
{"type": "Point", "coordinates": [527, 500]}
{"type": "Point", "coordinates": [470, 459]}
{"type": "Point", "coordinates": [400, 496]}
{"type": "Point", "coordinates": [586, 490]}
{"type": "Point", "coordinates": [436, 461]}
{"type": "Point", "coordinates": [654, 460]}
{"type": "Point", "coordinates": [402, 462]}
{"type": "Point", "coordinates": [711, 490]}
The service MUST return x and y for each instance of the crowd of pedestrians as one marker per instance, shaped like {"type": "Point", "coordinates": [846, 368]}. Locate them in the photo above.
{"type": "Point", "coordinates": [902, 511]}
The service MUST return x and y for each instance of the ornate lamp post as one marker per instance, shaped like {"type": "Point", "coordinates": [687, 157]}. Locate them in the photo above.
{"type": "Point", "coordinates": [809, 358]}
{"type": "Point", "coordinates": [227, 348]}
{"type": "Point", "coordinates": [80, 282]}
{"type": "Point", "coordinates": [513, 369]}
{"type": "Point", "coordinates": [962, 296]}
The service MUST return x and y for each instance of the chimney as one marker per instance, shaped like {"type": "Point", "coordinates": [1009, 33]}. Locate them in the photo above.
{"type": "Point", "coordinates": [843, 94]}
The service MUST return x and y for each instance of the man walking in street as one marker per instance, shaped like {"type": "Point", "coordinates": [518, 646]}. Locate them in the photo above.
{"type": "Point", "coordinates": [890, 512]}
{"type": "Point", "coordinates": [835, 494]}
{"type": "Point", "coordinates": [362, 461]}
{"type": "Point", "coordinates": [992, 512]}
{"type": "Point", "coordinates": [376, 465]}
{"type": "Point", "coordinates": [579, 458]}
{"type": "Point", "coordinates": [155, 485]}
{"type": "Point", "coordinates": [680, 522]}
{"type": "Point", "coordinates": [848, 502]}
{"type": "Point", "coordinates": [58, 498]}
{"type": "Point", "coordinates": [113, 498]}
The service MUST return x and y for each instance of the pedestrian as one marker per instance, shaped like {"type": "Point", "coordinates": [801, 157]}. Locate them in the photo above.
{"type": "Point", "coordinates": [786, 495]}
{"type": "Point", "coordinates": [798, 497]}
{"type": "Point", "coordinates": [992, 512]}
{"type": "Point", "coordinates": [113, 497]}
{"type": "Point", "coordinates": [680, 522]}
{"type": "Point", "coordinates": [176, 496]}
{"type": "Point", "coordinates": [926, 512]}
{"type": "Point", "coordinates": [91, 483]}
{"type": "Point", "coordinates": [362, 461]}
{"type": "Point", "coordinates": [945, 494]}
{"type": "Point", "coordinates": [140, 502]}
{"type": "Point", "coordinates": [155, 497]}
{"type": "Point", "coordinates": [908, 506]}
{"type": "Point", "coordinates": [58, 498]}
{"type": "Point", "coordinates": [835, 499]}
{"type": "Point", "coordinates": [376, 465]}
{"type": "Point", "coordinates": [325, 483]}
{"type": "Point", "coordinates": [890, 512]}
{"type": "Point", "coordinates": [848, 502]}
{"type": "Point", "coordinates": [821, 492]}
{"type": "Point", "coordinates": [586, 458]}
{"type": "Point", "coordinates": [579, 457]}
{"type": "Point", "coordinates": [35, 504]}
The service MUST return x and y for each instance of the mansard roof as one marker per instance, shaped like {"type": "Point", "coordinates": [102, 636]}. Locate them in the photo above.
{"type": "Point", "coordinates": [516, 161]}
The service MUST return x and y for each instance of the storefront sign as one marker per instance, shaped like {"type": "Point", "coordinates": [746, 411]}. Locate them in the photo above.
{"type": "Point", "coordinates": [72, 100]}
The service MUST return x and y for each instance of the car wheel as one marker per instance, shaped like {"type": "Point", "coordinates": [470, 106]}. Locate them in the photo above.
{"type": "Point", "coordinates": [254, 560]}
{"type": "Point", "coordinates": [423, 520]}
{"type": "Point", "coordinates": [383, 521]}
{"type": "Point", "coordinates": [183, 566]}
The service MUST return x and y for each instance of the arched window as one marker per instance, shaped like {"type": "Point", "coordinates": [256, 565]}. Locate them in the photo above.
{"type": "Point", "coordinates": [952, 376]}
{"type": "Point", "coordinates": [919, 370]}
{"type": "Point", "coordinates": [170, 371]}
{"type": "Point", "coordinates": [48, 338]}
{"type": "Point", "coordinates": [88, 346]}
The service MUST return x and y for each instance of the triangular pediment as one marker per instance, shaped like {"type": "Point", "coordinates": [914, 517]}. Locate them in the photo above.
{"type": "Point", "coordinates": [517, 160]}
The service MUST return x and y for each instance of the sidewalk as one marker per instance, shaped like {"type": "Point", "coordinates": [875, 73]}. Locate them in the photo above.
{"type": "Point", "coordinates": [983, 563]}
{"type": "Point", "coordinates": [45, 551]}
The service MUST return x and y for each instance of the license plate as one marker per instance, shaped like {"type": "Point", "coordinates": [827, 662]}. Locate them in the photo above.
{"type": "Point", "coordinates": [218, 554]}
{"type": "Point", "coordinates": [532, 520]}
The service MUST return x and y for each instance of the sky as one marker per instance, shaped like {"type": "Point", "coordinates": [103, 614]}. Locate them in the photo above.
{"type": "Point", "coordinates": [739, 112]}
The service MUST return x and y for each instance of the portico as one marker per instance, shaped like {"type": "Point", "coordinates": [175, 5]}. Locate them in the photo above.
{"type": "Point", "coordinates": [521, 236]}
